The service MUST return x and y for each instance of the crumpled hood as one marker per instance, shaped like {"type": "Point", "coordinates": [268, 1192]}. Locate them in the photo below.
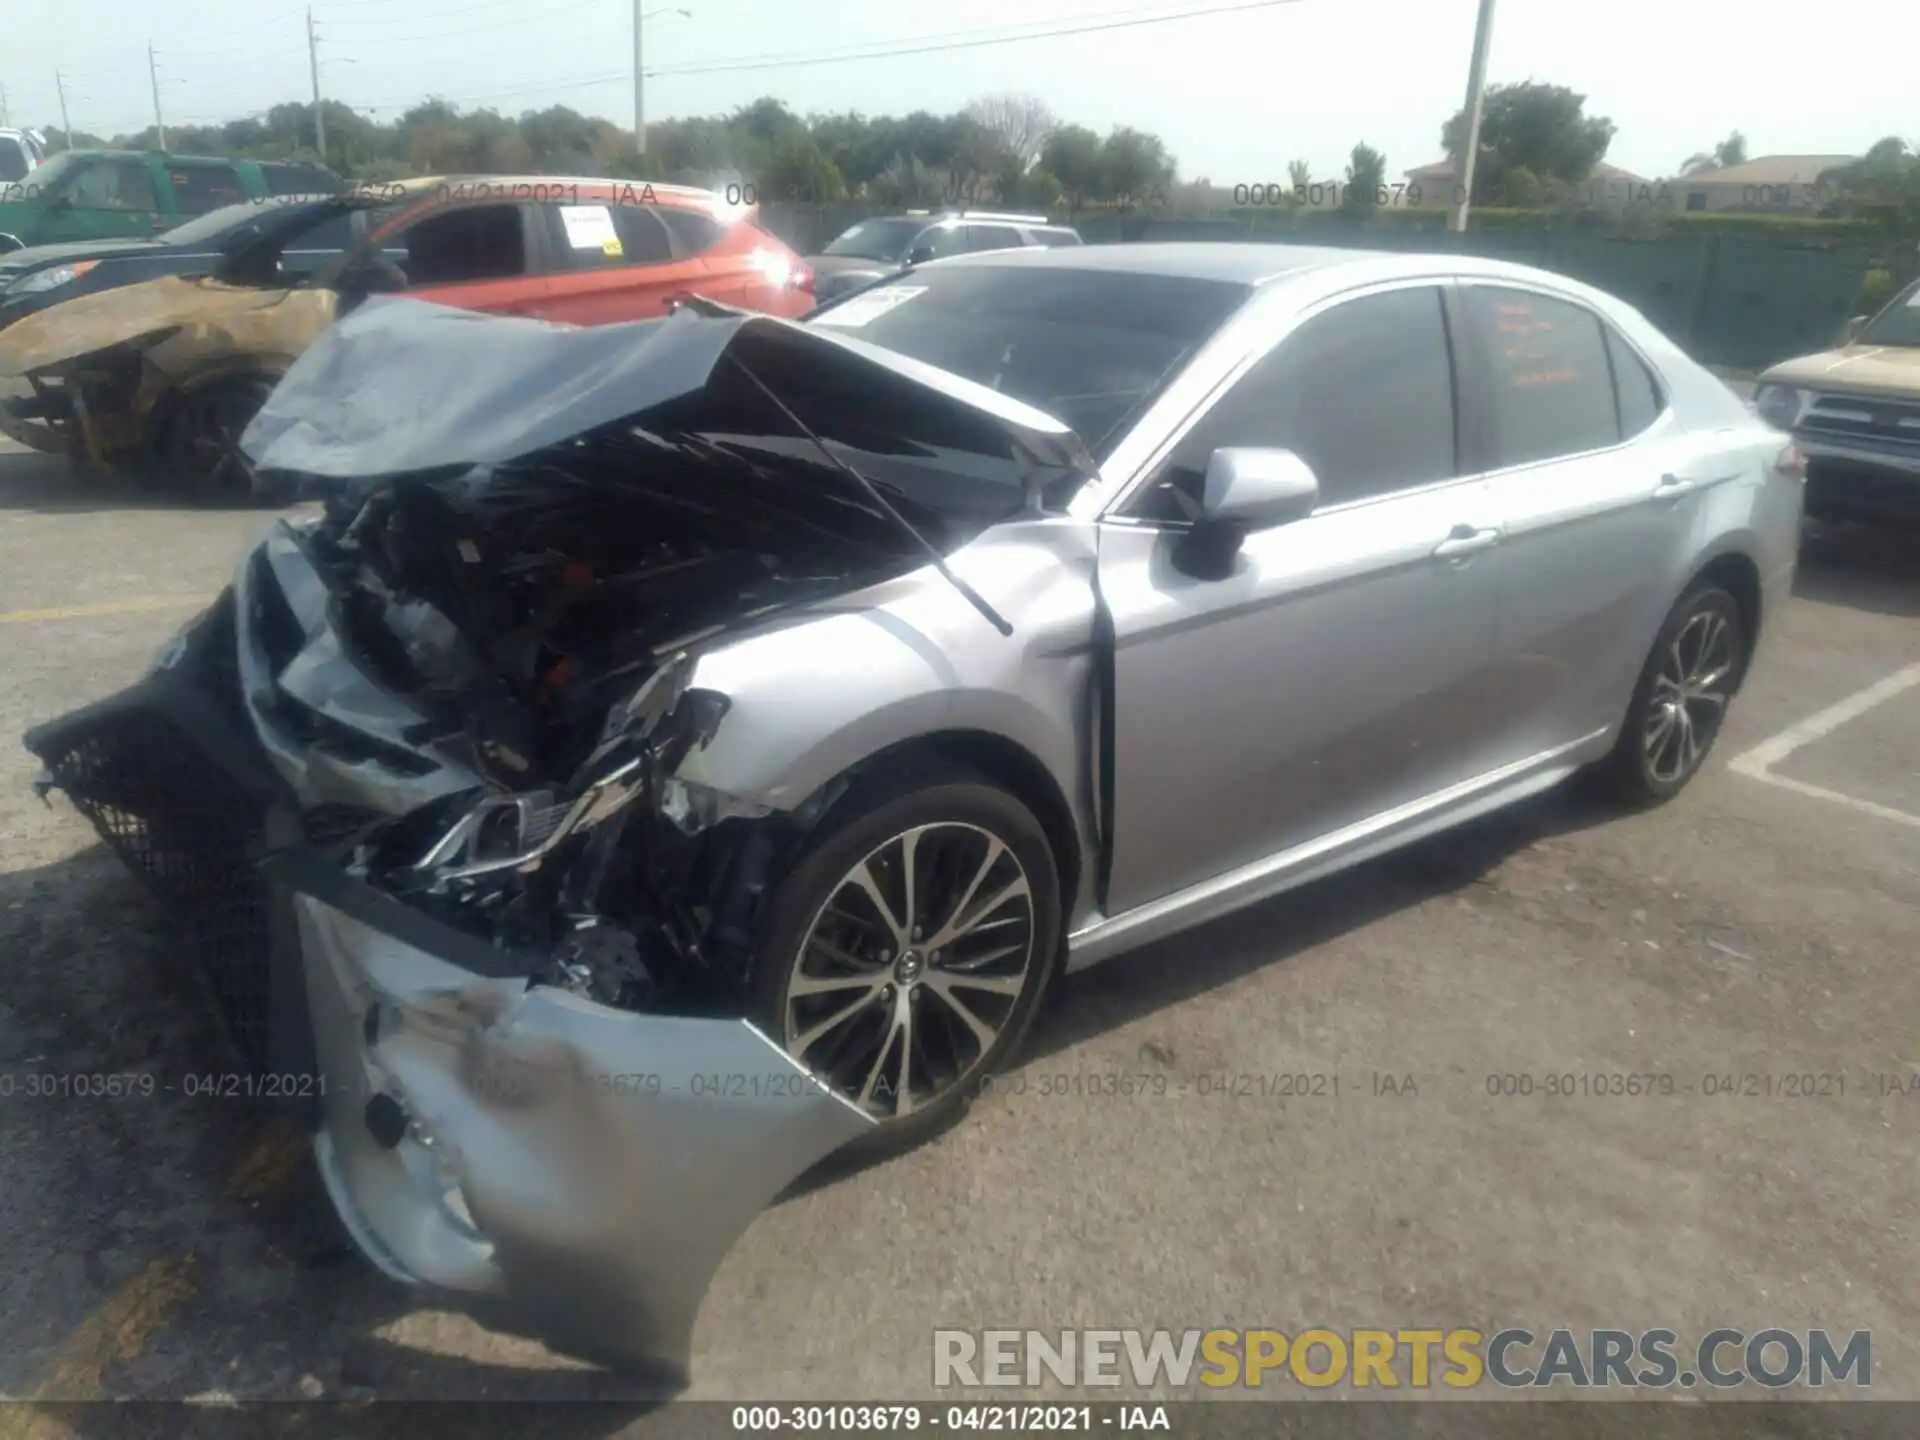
{"type": "Point", "coordinates": [90, 323]}
{"type": "Point", "coordinates": [1880, 369]}
{"type": "Point", "coordinates": [402, 385]}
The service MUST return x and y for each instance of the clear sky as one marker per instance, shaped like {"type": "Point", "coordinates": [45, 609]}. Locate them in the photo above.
{"type": "Point", "coordinates": [1235, 96]}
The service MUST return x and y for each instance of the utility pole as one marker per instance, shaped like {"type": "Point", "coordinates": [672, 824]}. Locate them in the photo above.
{"type": "Point", "coordinates": [639, 86]}
{"type": "Point", "coordinates": [1476, 96]}
{"type": "Point", "coordinates": [153, 75]}
{"type": "Point", "coordinates": [313, 66]}
{"type": "Point", "coordinates": [66, 125]}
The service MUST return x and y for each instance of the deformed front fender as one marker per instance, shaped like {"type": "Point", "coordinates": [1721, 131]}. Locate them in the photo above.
{"type": "Point", "coordinates": [559, 1167]}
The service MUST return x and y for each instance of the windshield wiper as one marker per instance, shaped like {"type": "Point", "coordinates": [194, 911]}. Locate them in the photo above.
{"type": "Point", "coordinates": [974, 598]}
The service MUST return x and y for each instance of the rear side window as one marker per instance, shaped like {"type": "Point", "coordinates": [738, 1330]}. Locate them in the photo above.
{"type": "Point", "coordinates": [200, 188]}
{"type": "Point", "coordinates": [1057, 237]}
{"type": "Point", "coordinates": [1550, 385]}
{"type": "Point", "coordinates": [693, 233]}
{"type": "Point", "coordinates": [1362, 392]}
{"type": "Point", "coordinates": [1639, 392]}
{"type": "Point", "coordinates": [14, 161]}
{"type": "Point", "coordinates": [452, 247]}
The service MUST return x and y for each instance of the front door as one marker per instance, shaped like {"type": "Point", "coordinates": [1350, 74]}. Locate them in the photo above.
{"type": "Point", "coordinates": [1338, 673]}
{"type": "Point", "coordinates": [104, 199]}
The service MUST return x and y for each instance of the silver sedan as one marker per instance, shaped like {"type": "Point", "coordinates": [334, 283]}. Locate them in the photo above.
{"type": "Point", "coordinates": [682, 751]}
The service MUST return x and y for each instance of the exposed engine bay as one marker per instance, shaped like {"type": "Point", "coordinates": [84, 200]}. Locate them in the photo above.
{"type": "Point", "coordinates": [540, 613]}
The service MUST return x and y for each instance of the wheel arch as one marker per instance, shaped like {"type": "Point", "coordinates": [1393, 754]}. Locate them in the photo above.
{"type": "Point", "coordinates": [1736, 572]}
{"type": "Point", "coordinates": [1015, 769]}
{"type": "Point", "coordinates": [169, 401]}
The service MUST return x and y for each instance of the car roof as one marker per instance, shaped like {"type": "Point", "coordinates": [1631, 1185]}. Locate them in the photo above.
{"type": "Point", "coordinates": [1257, 265]}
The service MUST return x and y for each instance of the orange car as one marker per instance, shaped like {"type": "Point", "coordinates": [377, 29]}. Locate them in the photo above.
{"type": "Point", "coordinates": [161, 378]}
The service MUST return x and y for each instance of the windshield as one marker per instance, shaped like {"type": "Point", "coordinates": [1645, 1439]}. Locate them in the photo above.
{"type": "Point", "coordinates": [877, 239]}
{"type": "Point", "coordinates": [1899, 323]}
{"type": "Point", "coordinates": [1089, 347]}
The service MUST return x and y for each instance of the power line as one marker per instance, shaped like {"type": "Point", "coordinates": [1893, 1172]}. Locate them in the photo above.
{"type": "Point", "coordinates": [919, 46]}
{"type": "Point", "coordinates": [769, 62]}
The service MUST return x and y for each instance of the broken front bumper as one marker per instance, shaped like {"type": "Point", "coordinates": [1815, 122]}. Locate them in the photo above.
{"type": "Point", "coordinates": [561, 1167]}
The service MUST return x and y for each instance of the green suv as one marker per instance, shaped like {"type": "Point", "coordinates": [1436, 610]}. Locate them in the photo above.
{"type": "Point", "coordinates": [115, 194]}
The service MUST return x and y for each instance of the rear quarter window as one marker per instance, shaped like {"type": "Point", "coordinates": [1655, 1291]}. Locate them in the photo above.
{"type": "Point", "coordinates": [693, 233]}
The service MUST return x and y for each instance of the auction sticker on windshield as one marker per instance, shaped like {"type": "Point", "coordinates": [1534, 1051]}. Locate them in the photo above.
{"type": "Point", "coordinates": [870, 306]}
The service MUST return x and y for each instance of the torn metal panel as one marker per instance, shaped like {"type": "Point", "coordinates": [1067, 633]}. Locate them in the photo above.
{"type": "Point", "coordinates": [537, 1150]}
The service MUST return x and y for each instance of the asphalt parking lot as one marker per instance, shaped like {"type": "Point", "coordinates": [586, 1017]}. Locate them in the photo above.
{"type": "Point", "coordinates": [1763, 925]}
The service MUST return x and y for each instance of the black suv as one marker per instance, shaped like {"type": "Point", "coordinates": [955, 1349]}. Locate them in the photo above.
{"type": "Point", "coordinates": [888, 244]}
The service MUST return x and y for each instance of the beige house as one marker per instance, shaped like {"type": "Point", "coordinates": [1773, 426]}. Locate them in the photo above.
{"type": "Point", "coordinates": [1772, 183]}
{"type": "Point", "coordinates": [1432, 187]}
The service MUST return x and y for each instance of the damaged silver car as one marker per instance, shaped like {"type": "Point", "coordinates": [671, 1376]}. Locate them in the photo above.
{"type": "Point", "coordinates": [681, 751]}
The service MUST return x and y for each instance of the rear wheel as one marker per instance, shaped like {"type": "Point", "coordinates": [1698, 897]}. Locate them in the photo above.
{"type": "Point", "coordinates": [908, 950]}
{"type": "Point", "coordinates": [201, 450]}
{"type": "Point", "coordinates": [1681, 699]}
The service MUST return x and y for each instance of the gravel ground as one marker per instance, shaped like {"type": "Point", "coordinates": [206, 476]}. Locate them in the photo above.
{"type": "Point", "coordinates": [167, 1248]}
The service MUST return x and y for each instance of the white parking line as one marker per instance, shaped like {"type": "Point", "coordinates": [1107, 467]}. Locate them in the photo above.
{"type": "Point", "coordinates": [1759, 762]}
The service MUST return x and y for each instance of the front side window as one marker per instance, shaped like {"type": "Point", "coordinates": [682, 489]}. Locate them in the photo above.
{"type": "Point", "coordinates": [938, 243]}
{"type": "Point", "coordinates": [1362, 392]}
{"type": "Point", "coordinates": [993, 237]}
{"type": "Point", "coordinates": [455, 247]}
{"type": "Point", "coordinates": [1550, 388]}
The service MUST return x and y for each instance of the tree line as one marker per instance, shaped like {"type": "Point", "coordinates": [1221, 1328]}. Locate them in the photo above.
{"type": "Point", "coordinates": [1538, 148]}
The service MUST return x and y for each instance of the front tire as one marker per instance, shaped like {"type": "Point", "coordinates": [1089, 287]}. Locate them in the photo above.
{"type": "Point", "coordinates": [907, 952]}
{"type": "Point", "coordinates": [1680, 702]}
{"type": "Point", "coordinates": [200, 450]}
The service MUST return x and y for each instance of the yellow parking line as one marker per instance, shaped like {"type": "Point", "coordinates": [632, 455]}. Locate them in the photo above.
{"type": "Point", "coordinates": [118, 1332]}
{"type": "Point", "coordinates": [111, 607]}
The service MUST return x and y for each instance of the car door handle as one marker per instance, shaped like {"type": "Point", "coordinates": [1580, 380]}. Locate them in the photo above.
{"type": "Point", "coordinates": [1672, 487]}
{"type": "Point", "coordinates": [1465, 540]}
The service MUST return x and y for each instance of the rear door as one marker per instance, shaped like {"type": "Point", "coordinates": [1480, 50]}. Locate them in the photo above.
{"type": "Point", "coordinates": [1595, 487]}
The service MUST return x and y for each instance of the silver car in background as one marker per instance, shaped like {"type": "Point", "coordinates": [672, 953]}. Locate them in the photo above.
{"type": "Point", "coordinates": [683, 751]}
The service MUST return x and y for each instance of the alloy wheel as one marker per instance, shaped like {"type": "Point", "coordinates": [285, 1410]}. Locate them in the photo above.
{"type": "Point", "coordinates": [1689, 696]}
{"type": "Point", "coordinates": [913, 968]}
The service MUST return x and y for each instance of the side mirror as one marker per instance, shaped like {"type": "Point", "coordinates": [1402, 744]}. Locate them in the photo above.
{"type": "Point", "coordinates": [919, 255]}
{"type": "Point", "coordinates": [1854, 327]}
{"type": "Point", "coordinates": [1244, 490]}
